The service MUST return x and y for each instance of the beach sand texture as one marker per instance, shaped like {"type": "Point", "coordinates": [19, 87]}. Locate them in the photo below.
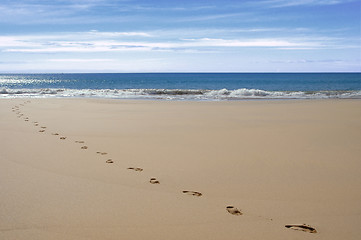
{"type": "Point", "coordinates": [123, 169]}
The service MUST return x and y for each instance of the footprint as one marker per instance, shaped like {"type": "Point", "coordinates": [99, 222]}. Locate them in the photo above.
{"type": "Point", "coordinates": [62, 138]}
{"type": "Point", "coordinates": [102, 153]}
{"type": "Point", "coordinates": [84, 147]}
{"type": "Point", "coordinates": [154, 181]}
{"type": "Point", "coordinates": [79, 141]}
{"type": "Point", "coordinates": [109, 161]}
{"type": "Point", "coordinates": [197, 194]}
{"type": "Point", "coordinates": [43, 127]}
{"type": "Point", "coordinates": [55, 134]}
{"type": "Point", "coordinates": [41, 131]}
{"type": "Point", "coordinates": [302, 227]}
{"type": "Point", "coordinates": [234, 211]}
{"type": "Point", "coordinates": [36, 124]}
{"type": "Point", "coordinates": [136, 169]}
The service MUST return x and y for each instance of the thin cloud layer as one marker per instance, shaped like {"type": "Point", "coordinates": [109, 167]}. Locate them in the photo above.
{"type": "Point", "coordinates": [95, 41]}
{"type": "Point", "coordinates": [291, 3]}
{"type": "Point", "coordinates": [189, 35]}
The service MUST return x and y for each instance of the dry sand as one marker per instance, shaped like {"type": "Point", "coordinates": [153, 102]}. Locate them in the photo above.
{"type": "Point", "coordinates": [273, 163]}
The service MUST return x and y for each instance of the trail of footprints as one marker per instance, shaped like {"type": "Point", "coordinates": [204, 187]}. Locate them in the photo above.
{"type": "Point", "coordinates": [230, 209]}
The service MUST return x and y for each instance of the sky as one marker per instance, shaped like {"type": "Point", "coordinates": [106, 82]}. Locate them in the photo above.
{"type": "Point", "coordinates": [52, 36]}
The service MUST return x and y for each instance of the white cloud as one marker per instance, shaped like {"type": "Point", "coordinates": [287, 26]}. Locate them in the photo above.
{"type": "Point", "coordinates": [208, 42]}
{"type": "Point", "coordinates": [291, 3]}
{"type": "Point", "coordinates": [119, 34]}
{"type": "Point", "coordinates": [81, 60]}
{"type": "Point", "coordinates": [94, 41]}
{"type": "Point", "coordinates": [82, 65]}
{"type": "Point", "coordinates": [209, 17]}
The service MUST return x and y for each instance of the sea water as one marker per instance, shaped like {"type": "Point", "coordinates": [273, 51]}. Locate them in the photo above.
{"type": "Point", "coordinates": [183, 86]}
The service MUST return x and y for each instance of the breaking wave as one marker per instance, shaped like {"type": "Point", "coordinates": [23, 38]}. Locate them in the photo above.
{"type": "Point", "coordinates": [175, 94]}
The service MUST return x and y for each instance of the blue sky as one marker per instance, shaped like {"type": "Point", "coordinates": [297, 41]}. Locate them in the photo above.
{"type": "Point", "coordinates": [180, 36]}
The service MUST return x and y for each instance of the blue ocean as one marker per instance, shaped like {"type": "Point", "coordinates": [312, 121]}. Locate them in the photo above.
{"type": "Point", "coordinates": [183, 86]}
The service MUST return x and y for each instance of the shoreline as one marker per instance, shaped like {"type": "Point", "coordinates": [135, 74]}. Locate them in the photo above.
{"type": "Point", "coordinates": [276, 162]}
{"type": "Point", "coordinates": [177, 94]}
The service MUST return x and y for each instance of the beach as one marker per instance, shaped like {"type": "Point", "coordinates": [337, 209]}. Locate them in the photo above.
{"type": "Point", "coordinates": [146, 169]}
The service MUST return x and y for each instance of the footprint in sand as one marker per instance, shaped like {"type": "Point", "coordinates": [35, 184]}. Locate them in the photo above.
{"type": "Point", "coordinates": [84, 147]}
{"type": "Point", "coordinates": [154, 181]}
{"type": "Point", "coordinates": [136, 169]}
{"type": "Point", "coordinates": [41, 131]}
{"type": "Point", "coordinates": [36, 124]}
{"type": "Point", "coordinates": [109, 161]}
{"type": "Point", "coordinates": [55, 134]}
{"type": "Point", "coordinates": [197, 194]}
{"type": "Point", "coordinates": [79, 141]}
{"type": "Point", "coordinates": [43, 127]}
{"type": "Point", "coordinates": [102, 153]}
{"type": "Point", "coordinates": [234, 211]}
{"type": "Point", "coordinates": [302, 227]}
{"type": "Point", "coordinates": [62, 138]}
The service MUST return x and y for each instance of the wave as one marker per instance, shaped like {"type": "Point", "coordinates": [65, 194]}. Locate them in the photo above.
{"type": "Point", "coordinates": [176, 94]}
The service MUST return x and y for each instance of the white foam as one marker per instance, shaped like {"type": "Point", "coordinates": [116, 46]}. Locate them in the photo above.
{"type": "Point", "coordinates": [175, 94]}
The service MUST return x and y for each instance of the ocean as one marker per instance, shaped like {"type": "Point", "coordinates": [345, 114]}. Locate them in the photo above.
{"type": "Point", "coordinates": [183, 86]}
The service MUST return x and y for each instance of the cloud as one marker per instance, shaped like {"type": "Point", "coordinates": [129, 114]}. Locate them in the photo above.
{"type": "Point", "coordinates": [209, 42]}
{"type": "Point", "coordinates": [95, 41]}
{"type": "Point", "coordinates": [81, 60]}
{"type": "Point", "coordinates": [298, 61]}
{"type": "Point", "coordinates": [209, 17]}
{"type": "Point", "coordinates": [64, 12]}
{"type": "Point", "coordinates": [292, 3]}
{"type": "Point", "coordinates": [119, 34]}
{"type": "Point", "coordinates": [169, 40]}
{"type": "Point", "coordinates": [59, 12]}
{"type": "Point", "coordinates": [84, 39]}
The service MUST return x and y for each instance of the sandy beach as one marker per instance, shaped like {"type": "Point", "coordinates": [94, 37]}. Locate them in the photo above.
{"type": "Point", "coordinates": [124, 169]}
